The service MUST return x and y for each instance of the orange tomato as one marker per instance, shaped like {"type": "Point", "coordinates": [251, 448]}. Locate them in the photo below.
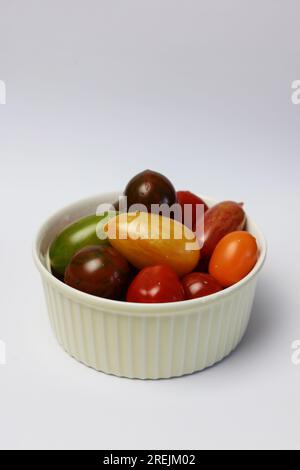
{"type": "Point", "coordinates": [146, 239]}
{"type": "Point", "coordinates": [233, 258]}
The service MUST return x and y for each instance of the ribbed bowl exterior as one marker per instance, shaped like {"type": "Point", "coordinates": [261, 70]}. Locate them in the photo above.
{"type": "Point", "coordinates": [143, 343]}
{"type": "Point", "coordinates": [150, 347]}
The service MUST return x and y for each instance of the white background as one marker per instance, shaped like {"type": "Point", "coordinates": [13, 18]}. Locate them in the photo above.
{"type": "Point", "coordinates": [97, 91]}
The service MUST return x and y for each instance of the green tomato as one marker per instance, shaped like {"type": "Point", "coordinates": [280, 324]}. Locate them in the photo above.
{"type": "Point", "coordinates": [84, 232]}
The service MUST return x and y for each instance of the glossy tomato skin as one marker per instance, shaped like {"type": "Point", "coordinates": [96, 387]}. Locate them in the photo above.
{"type": "Point", "coordinates": [150, 240]}
{"type": "Point", "coordinates": [83, 232]}
{"type": "Point", "coordinates": [221, 219]}
{"type": "Point", "coordinates": [156, 284]}
{"type": "Point", "coordinates": [200, 285]}
{"type": "Point", "coordinates": [186, 197]}
{"type": "Point", "coordinates": [150, 187]}
{"type": "Point", "coordinates": [233, 258]}
{"type": "Point", "coordinates": [99, 271]}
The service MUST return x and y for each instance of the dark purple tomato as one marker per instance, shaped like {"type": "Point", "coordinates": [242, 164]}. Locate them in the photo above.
{"type": "Point", "coordinates": [100, 271]}
{"type": "Point", "coordinates": [150, 187]}
{"type": "Point", "coordinates": [199, 285]}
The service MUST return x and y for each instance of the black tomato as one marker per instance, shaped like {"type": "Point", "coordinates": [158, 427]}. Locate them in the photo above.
{"type": "Point", "coordinates": [99, 270]}
{"type": "Point", "coordinates": [150, 187]}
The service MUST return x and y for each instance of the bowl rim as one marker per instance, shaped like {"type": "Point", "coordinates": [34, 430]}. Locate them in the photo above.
{"type": "Point", "coordinates": [123, 307]}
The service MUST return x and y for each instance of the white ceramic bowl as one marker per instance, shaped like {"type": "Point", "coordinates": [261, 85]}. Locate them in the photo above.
{"type": "Point", "coordinates": [146, 341]}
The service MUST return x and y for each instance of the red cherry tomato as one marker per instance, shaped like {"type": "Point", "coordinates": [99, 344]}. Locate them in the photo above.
{"type": "Point", "coordinates": [156, 284]}
{"type": "Point", "coordinates": [233, 258]}
{"type": "Point", "coordinates": [186, 197]}
{"type": "Point", "coordinates": [199, 285]}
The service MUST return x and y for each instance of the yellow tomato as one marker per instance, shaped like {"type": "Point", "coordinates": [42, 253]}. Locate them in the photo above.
{"type": "Point", "coordinates": [151, 239]}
